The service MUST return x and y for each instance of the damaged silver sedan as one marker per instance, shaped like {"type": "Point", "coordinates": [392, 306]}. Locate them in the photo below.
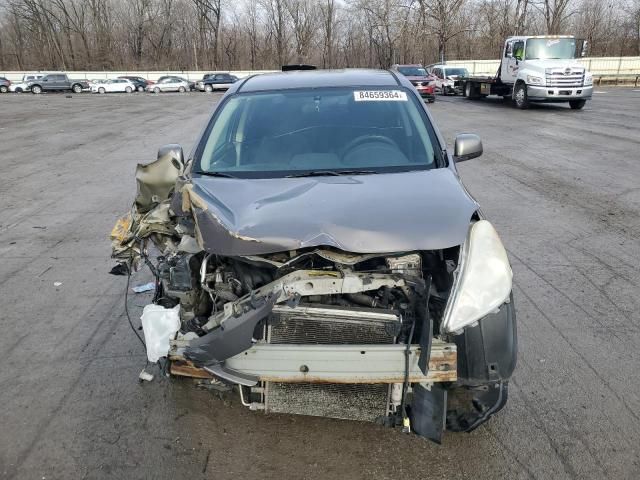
{"type": "Point", "coordinates": [318, 252]}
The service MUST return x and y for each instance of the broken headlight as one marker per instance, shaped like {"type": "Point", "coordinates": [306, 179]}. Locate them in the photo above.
{"type": "Point", "coordinates": [483, 279]}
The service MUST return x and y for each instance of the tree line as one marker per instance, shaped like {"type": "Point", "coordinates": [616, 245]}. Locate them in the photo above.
{"type": "Point", "coordinates": [265, 34]}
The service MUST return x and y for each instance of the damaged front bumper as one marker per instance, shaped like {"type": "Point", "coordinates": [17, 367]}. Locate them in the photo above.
{"type": "Point", "coordinates": [330, 363]}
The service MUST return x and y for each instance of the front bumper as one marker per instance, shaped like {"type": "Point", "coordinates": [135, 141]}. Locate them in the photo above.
{"type": "Point", "coordinates": [558, 94]}
{"type": "Point", "coordinates": [428, 93]}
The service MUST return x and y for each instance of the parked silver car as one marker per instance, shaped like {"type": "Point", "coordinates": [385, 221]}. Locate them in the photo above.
{"type": "Point", "coordinates": [169, 84]}
{"type": "Point", "coordinates": [318, 252]}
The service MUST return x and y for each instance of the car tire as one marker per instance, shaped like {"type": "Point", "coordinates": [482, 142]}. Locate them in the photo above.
{"type": "Point", "coordinates": [520, 97]}
{"type": "Point", "coordinates": [76, 88]}
{"type": "Point", "coordinates": [128, 90]}
{"type": "Point", "coordinates": [208, 88]}
{"type": "Point", "coordinates": [102, 90]}
{"type": "Point", "coordinates": [141, 89]}
{"type": "Point", "coordinates": [577, 104]}
{"type": "Point", "coordinates": [431, 100]}
{"type": "Point", "coordinates": [3, 89]}
{"type": "Point", "coordinates": [19, 90]}
{"type": "Point", "coordinates": [36, 89]}
{"type": "Point", "coordinates": [156, 90]}
{"type": "Point", "coordinates": [443, 90]}
{"type": "Point", "coordinates": [182, 90]}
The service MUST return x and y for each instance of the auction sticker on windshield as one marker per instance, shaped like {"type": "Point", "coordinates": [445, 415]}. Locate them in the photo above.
{"type": "Point", "coordinates": [379, 96]}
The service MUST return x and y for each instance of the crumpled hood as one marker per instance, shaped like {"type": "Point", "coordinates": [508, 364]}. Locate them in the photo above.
{"type": "Point", "coordinates": [420, 210]}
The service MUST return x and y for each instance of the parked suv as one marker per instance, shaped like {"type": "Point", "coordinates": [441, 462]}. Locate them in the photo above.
{"type": "Point", "coordinates": [23, 86]}
{"type": "Point", "coordinates": [418, 76]}
{"type": "Point", "coordinates": [216, 81]}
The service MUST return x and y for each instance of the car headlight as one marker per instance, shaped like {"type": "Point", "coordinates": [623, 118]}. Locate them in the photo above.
{"type": "Point", "coordinates": [588, 79]}
{"type": "Point", "coordinates": [483, 280]}
{"type": "Point", "coordinates": [533, 80]}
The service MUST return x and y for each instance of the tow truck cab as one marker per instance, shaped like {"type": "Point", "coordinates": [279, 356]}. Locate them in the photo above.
{"type": "Point", "coordinates": [537, 69]}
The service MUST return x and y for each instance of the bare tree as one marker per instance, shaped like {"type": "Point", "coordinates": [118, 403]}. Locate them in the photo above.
{"type": "Point", "coordinates": [443, 16]}
{"type": "Point", "coordinates": [304, 17]}
{"type": "Point", "coordinates": [265, 34]}
{"type": "Point", "coordinates": [277, 18]}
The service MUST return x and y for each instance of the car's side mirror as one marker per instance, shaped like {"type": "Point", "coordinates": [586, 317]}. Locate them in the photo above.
{"type": "Point", "coordinates": [467, 146]}
{"type": "Point", "coordinates": [174, 151]}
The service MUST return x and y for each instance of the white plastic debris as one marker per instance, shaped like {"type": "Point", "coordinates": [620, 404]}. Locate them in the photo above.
{"type": "Point", "coordinates": [188, 244]}
{"type": "Point", "coordinates": [146, 287]}
{"type": "Point", "coordinates": [159, 325]}
{"type": "Point", "coordinates": [57, 284]}
{"type": "Point", "coordinates": [145, 376]}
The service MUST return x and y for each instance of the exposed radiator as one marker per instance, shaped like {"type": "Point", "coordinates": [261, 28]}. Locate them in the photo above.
{"type": "Point", "coordinates": [329, 325]}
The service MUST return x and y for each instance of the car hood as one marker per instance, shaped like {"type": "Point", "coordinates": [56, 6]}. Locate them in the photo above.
{"type": "Point", "coordinates": [417, 78]}
{"type": "Point", "coordinates": [420, 210]}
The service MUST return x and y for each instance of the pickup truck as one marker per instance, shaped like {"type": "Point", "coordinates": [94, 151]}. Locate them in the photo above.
{"type": "Point", "coordinates": [57, 82]}
{"type": "Point", "coordinates": [537, 69]}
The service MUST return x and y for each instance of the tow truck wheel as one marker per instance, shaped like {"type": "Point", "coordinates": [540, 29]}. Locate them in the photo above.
{"type": "Point", "coordinates": [470, 91]}
{"type": "Point", "coordinates": [520, 98]}
{"type": "Point", "coordinates": [577, 104]}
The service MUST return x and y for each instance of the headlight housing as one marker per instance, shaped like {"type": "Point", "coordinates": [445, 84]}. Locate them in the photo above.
{"type": "Point", "coordinates": [482, 281]}
{"type": "Point", "coordinates": [588, 79]}
{"type": "Point", "coordinates": [533, 80]}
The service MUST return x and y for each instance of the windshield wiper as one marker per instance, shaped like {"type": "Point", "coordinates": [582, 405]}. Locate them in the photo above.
{"type": "Point", "coordinates": [332, 173]}
{"type": "Point", "coordinates": [217, 174]}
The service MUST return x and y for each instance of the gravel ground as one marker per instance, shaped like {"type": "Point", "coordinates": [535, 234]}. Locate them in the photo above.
{"type": "Point", "coordinates": [560, 185]}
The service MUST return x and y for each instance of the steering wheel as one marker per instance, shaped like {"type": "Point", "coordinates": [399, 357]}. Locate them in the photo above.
{"type": "Point", "coordinates": [369, 138]}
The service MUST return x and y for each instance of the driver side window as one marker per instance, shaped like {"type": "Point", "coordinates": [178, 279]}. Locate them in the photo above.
{"type": "Point", "coordinates": [518, 50]}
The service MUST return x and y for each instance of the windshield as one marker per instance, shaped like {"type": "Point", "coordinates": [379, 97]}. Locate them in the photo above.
{"type": "Point", "coordinates": [456, 72]}
{"type": "Point", "coordinates": [413, 71]}
{"type": "Point", "coordinates": [275, 134]}
{"type": "Point", "coordinates": [550, 48]}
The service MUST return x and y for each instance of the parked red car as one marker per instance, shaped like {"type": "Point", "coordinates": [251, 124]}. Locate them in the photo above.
{"type": "Point", "coordinates": [418, 76]}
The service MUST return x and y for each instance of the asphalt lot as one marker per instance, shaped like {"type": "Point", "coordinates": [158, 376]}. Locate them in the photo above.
{"type": "Point", "coordinates": [560, 185]}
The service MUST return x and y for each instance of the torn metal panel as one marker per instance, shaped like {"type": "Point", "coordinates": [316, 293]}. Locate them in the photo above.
{"type": "Point", "coordinates": [156, 181]}
{"type": "Point", "coordinates": [421, 210]}
{"type": "Point", "coordinates": [231, 338]}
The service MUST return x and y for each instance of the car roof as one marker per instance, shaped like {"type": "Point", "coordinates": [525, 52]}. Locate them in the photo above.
{"type": "Point", "coordinates": [318, 79]}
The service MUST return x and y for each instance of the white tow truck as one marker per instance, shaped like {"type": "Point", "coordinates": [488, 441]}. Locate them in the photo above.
{"type": "Point", "coordinates": [537, 69]}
